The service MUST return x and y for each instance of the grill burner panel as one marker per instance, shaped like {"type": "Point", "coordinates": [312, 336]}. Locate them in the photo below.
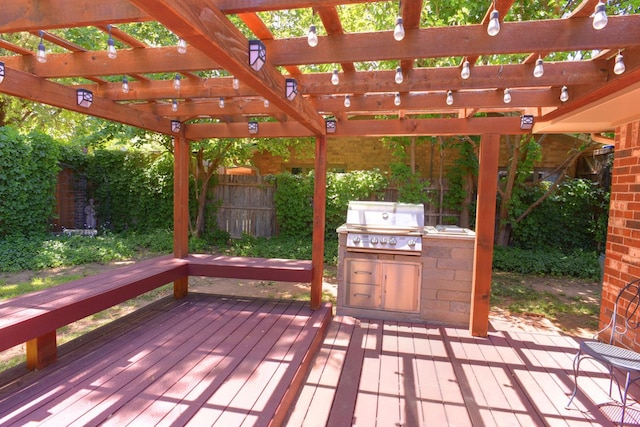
{"type": "Point", "coordinates": [385, 243]}
{"type": "Point", "coordinates": [385, 227]}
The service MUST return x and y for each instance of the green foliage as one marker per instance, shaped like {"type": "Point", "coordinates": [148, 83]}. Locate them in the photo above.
{"type": "Point", "coordinates": [574, 217]}
{"type": "Point", "coordinates": [28, 174]}
{"type": "Point", "coordinates": [412, 188]}
{"type": "Point", "coordinates": [579, 264]}
{"type": "Point", "coordinates": [280, 246]}
{"type": "Point", "coordinates": [132, 190]}
{"type": "Point", "coordinates": [294, 199]}
{"type": "Point", "coordinates": [464, 164]}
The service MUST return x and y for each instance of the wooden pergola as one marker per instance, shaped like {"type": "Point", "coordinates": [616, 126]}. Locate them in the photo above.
{"type": "Point", "coordinates": [599, 99]}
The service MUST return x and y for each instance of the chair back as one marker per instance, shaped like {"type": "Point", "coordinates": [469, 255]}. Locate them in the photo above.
{"type": "Point", "coordinates": [626, 312]}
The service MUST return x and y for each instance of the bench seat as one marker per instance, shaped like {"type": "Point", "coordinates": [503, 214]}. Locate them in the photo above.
{"type": "Point", "coordinates": [33, 318]}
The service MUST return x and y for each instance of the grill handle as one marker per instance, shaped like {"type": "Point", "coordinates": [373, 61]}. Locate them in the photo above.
{"type": "Point", "coordinates": [362, 272]}
{"type": "Point", "coordinates": [361, 295]}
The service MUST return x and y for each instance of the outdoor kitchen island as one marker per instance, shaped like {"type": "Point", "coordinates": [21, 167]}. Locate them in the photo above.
{"type": "Point", "coordinates": [392, 267]}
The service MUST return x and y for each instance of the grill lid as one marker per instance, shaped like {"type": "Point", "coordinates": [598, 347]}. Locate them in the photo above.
{"type": "Point", "coordinates": [385, 216]}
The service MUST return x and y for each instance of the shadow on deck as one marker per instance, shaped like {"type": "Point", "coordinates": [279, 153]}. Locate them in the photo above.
{"type": "Point", "coordinates": [227, 361]}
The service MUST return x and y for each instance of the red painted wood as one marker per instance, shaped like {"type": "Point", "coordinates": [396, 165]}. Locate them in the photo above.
{"type": "Point", "coordinates": [285, 270]}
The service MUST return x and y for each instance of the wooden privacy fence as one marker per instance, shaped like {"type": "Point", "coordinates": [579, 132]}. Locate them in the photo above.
{"type": "Point", "coordinates": [246, 206]}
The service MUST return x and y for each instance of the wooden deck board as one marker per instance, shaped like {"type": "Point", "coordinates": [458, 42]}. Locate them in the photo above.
{"type": "Point", "coordinates": [171, 366]}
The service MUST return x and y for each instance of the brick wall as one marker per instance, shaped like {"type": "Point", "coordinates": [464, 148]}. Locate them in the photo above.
{"type": "Point", "coordinates": [622, 262]}
{"type": "Point", "coordinates": [368, 153]}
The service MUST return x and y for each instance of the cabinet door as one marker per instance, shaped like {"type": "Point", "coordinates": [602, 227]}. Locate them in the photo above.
{"type": "Point", "coordinates": [400, 286]}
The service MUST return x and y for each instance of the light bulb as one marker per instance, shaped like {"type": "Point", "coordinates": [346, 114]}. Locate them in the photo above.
{"type": "Point", "coordinates": [564, 94]}
{"type": "Point", "coordinates": [398, 31]}
{"type": "Point", "coordinates": [347, 101]}
{"type": "Point", "coordinates": [182, 46]}
{"type": "Point", "coordinates": [312, 36]}
{"type": "Point", "coordinates": [538, 70]}
{"type": "Point", "coordinates": [176, 82]}
{"type": "Point", "coordinates": [600, 16]}
{"type": "Point", "coordinates": [112, 53]}
{"type": "Point", "coordinates": [221, 102]}
{"type": "Point", "coordinates": [465, 73]}
{"type": "Point", "coordinates": [619, 67]}
{"type": "Point", "coordinates": [41, 55]}
{"type": "Point", "coordinates": [335, 78]}
{"type": "Point", "coordinates": [174, 105]}
{"type": "Point", "coordinates": [235, 84]}
{"type": "Point", "coordinates": [449, 98]}
{"type": "Point", "coordinates": [507, 96]}
{"type": "Point", "coordinates": [494, 23]}
{"type": "Point", "coordinates": [266, 103]}
{"type": "Point", "coordinates": [125, 85]}
{"type": "Point", "coordinates": [399, 76]}
{"type": "Point", "coordinates": [397, 100]}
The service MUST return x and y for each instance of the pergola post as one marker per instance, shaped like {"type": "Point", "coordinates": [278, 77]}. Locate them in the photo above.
{"type": "Point", "coordinates": [180, 208]}
{"type": "Point", "coordinates": [319, 209]}
{"type": "Point", "coordinates": [485, 230]}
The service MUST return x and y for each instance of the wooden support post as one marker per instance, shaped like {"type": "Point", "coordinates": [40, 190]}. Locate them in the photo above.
{"type": "Point", "coordinates": [42, 351]}
{"type": "Point", "coordinates": [485, 225]}
{"type": "Point", "coordinates": [319, 209]}
{"type": "Point", "coordinates": [180, 209]}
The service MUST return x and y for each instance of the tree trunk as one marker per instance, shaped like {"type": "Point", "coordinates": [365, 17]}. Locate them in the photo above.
{"type": "Point", "coordinates": [504, 230]}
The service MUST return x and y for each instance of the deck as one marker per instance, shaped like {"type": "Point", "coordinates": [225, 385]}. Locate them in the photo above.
{"type": "Point", "coordinates": [212, 360]}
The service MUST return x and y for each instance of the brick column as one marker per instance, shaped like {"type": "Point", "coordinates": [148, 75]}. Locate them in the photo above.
{"type": "Point", "coordinates": [622, 263]}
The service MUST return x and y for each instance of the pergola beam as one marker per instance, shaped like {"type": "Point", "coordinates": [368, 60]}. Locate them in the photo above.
{"type": "Point", "coordinates": [566, 35]}
{"type": "Point", "coordinates": [30, 87]}
{"type": "Point", "coordinates": [376, 128]}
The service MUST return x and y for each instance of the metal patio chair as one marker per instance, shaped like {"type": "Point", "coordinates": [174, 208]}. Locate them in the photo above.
{"type": "Point", "coordinates": [626, 311]}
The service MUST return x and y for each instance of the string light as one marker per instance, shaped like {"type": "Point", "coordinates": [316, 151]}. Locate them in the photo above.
{"type": "Point", "coordinates": [600, 16]}
{"type": "Point", "coordinates": [399, 76]}
{"type": "Point", "coordinates": [176, 82]}
{"type": "Point", "coordinates": [398, 31]}
{"type": "Point", "coordinates": [125, 84]}
{"type": "Point", "coordinates": [564, 94]}
{"type": "Point", "coordinates": [335, 78]}
{"type": "Point", "coordinates": [174, 105]}
{"type": "Point", "coordinates": [538, 70]}
{"type": "Point", "coordinates": [312, 36]}
{"type": "Point", "coordinates": [619, 66]}
{"type": "Point", "coordinates": [465, 73]}
{"type": "Point", "coordinates": [494, 22]}
{"type": "Point", "coordinates": [235, 84]}
{"type": "Point", "coordinates": [182, 46]}
{"type": "Point", "coordinates": [507, 96]}
{"type": "Point", "coordinates": [347, 101]}
{"type": "Point", "coordinates": [266, 103]}
{"type": "Point", "coordinates": [41, 56]}
{"type": "Point", "coordinates": [449, 98]}
{"type": "Point", "coordinates": [396, 100]}
{"type": "Point", "coordinates": [111, 46]}
{"type": "Point", "coordinates": [221, 102]}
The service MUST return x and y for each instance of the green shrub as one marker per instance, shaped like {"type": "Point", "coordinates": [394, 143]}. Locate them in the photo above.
{"type": "Point", "coordinates": [573, 218]}
{"type": "Point", "coordinates": [294, 199]}
{"type": "Point", "coordinates": [282, 247]}
{"type": "Point", "coordinates": [578, 264]}
{"type": "Point", "coordinates": [28, 176]}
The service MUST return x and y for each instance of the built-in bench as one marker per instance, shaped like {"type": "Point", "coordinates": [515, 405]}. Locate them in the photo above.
{"type": "Point", "coordinates": [33, 318]}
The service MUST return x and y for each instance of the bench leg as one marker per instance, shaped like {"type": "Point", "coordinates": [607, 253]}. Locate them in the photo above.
{"type": "Point", "coordinates": [181, 287]}
{"type": "Point", "coordinates": [42, 351]}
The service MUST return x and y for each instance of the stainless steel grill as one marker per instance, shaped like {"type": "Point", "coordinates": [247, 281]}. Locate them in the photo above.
{"type": "Point", "coordinates": [385, 227]}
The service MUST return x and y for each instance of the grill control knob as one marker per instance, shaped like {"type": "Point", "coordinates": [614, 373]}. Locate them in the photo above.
{"type": "Point", "coordinates": [356, 239]}
{"type": "Point", "coordinates": [411, 242]}
{"type": "Point", "coordinates": [393, 241]}
{"type": "Point", "coordinates": [374, 240]}
{"type": "Point", "coordinates": [383, 240]}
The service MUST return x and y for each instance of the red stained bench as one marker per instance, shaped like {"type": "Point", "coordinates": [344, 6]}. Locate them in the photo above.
{"type": "Point", "coordinates": [33, 318]}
